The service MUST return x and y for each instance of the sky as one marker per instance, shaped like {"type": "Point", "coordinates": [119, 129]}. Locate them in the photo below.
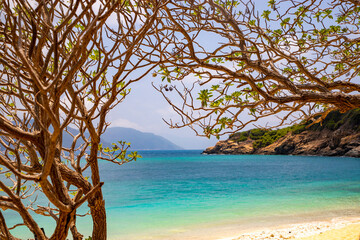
{"type": "Point", "coordinates": [144, 108]}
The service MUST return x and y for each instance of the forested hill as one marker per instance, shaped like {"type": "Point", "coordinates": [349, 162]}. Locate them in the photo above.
{"type": "Point", "coordinates": [139, 140]}
{"type": "Point", "coordinates": [337, 135]}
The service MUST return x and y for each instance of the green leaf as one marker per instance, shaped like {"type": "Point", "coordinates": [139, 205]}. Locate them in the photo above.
{"type": "Point", "coordinates": [78, 25]}
{"type": "Point", "coordinates": [266, 14]}
{"type": "Point", "coordinates": [271, 3]}
{"type": "Point", "coordinates": [204, 97]}
{"type": "Point", "coordinates": [285, 22]}
{"type": "Point", "coordinates": [95, 55]}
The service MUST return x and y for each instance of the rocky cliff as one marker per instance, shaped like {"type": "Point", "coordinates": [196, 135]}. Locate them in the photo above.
{"type": "Point", "coordinates": [337, 135]}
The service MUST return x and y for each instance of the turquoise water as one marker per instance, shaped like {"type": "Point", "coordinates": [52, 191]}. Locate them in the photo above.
{"type": "Point", "coordinates": [182, 193]}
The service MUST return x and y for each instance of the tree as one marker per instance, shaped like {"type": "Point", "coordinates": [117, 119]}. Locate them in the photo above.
{"type": "Point", "coordinates": [299, 59]}
{"type": "Point", "coordinates": [64, 65]}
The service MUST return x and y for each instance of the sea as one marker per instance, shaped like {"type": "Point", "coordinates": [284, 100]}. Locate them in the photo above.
{"type": "Point", "coordinates": [186, 195]}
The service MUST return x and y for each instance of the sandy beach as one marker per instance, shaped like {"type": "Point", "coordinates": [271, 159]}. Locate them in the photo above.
{"type": "Point", "coordinates": [335, 229]}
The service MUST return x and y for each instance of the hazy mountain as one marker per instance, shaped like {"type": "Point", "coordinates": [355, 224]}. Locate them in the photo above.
{"type": "Point", "coordinates": [139, 140]}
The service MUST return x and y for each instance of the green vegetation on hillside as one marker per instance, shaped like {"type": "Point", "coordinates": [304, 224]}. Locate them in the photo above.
{"type": "Point", "coordinates": [265, 137]}
{"type": "Point", "coordinates": [333, 121]}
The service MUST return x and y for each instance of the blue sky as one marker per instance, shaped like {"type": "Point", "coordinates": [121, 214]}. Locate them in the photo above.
{"type": "Point", "coordinates": [144, 108]}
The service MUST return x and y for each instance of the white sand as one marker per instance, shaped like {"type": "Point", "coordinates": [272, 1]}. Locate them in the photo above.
{"type": "Point", "coordinates": [297, 230]}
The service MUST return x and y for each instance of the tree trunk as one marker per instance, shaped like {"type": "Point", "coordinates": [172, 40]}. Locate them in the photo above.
{"type": "Point", "coordinates": [75, 233]}
{"type": "Point", "coordinates": [96, 202]}
{"type": "Point", "coordinates": [62, 226]}
{"type": "Point", "coordinates": [98, 213]}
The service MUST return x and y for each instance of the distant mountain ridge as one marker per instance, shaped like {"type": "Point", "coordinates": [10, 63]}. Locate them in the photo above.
{"type": "Point", "coordinates": [139, 140]}
{"type": "Point", "coordinates": [337, 135]}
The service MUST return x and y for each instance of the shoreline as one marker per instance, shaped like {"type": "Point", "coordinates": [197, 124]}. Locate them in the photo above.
{"type": "Point", "coordinates": [274, 154]}
{"type": "Point", "coordinates": [336, 228]}
{"type": "Point", "coordinates": [299, 227]}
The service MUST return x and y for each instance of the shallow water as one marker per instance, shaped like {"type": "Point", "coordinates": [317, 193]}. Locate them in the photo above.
{"type": "Point", "coordinates": [185, 195]}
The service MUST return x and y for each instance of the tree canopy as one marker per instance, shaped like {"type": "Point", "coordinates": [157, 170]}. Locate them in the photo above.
{"type": "Point", "coordinates": [254, 59]}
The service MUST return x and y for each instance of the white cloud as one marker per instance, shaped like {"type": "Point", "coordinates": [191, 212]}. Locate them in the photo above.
{"type": "Point", "coordinates": [167, 112]}
{"type": "Point", "coordinates": [121, 122]}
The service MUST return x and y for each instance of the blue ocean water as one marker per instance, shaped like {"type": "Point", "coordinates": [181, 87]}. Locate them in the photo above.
{"type": "Point", "coordinates": [181, 193]}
